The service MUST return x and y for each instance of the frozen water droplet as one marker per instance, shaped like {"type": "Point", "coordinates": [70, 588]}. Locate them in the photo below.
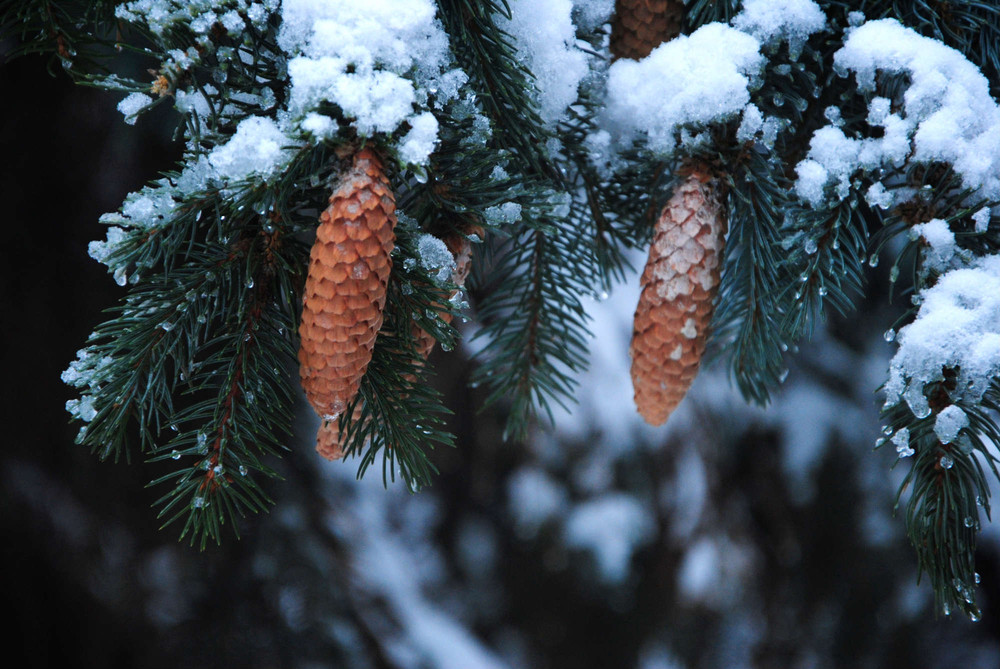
{"type": "Point", "coordinates": [202, 318]}
{"type": "Point", "coordinates": [420, 176]}
{"type": "Point", "coordinates": [894, 274]}
{"type": "Point", "coordinates": [198, 502]}
{"type": "Point", "coordinates": [202, 438]}
{"type": "Point", "coordinates": [977, 577]}
{"type": "Point", "coordinates": [249, 283]}
{"type": "Point", "coordinates": [175, 454]}
{"type": "Point", "coordinates": [250, 397]}
{"type": "Point", "coordinates": [879, 441]}
{"type": "Point", "coordinates": [975, 616]}
{"type": "Point", "coordinates": [835, 245]}
{"type": "Point", "coordinates": [167, 326]}
{"type": "Point", "coordinates": [810, 246]}
{"type": "Point", "coordinates": [281, 330]}
{"type": "Point", "coordinates": [979, 500]}
{"type": "Point", "coordinates": [887, 430]}
{"type": "Point", "coordinates": [890, 335]}
{"type": "Point", "coordinates": [823, 290]}
{"type": "Point", "coordinates": [601, 296]}
{"type": "Point", "coordinates": [120, 277]}
{"type": "Point", "coordinates": [246, 337]}
{"type": "Point", "coordinates": [173, 426]}
{"type": "Point", "coordinates": [219, 470]}
{"type": "Point", "coordinates": [782, 375]}
{"type": "Point", "coordinates": [873, 260]}
{"type": "Point", "coordinates": [969, 521]}
{"type": "Point", "coordinates": [946, 609]}
{"type": "Point", "coordinates": [946, 462]}
{"type": "Point", "coordinates": [243, 470]}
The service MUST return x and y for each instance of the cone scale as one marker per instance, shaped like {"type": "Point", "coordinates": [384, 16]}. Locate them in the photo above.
{"type": "Point", "coordinates": [679, 286]}
{"type": "Point", "coordinates": [639, 26]}
{"type": "Point", "coordinates": [345, 292]}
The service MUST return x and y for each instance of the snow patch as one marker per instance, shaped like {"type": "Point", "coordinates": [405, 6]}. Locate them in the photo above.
{"type": "Point", "coordinates": [677, 85]}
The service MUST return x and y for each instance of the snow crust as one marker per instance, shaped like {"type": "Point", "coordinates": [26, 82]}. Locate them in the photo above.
{"type": "Point", "coordinates": [677, 85]}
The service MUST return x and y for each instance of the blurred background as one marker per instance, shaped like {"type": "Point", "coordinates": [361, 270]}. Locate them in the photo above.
{"type": "Point", "coordinates": [732, 537]}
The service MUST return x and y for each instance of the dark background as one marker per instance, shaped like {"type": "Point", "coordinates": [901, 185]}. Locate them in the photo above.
{"type": "Point", "coordinates": [90, 581]}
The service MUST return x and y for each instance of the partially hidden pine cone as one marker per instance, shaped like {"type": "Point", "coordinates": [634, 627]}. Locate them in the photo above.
{"type": "Point", "coordinates": [345, 291]}
{"type": "Point", "coordinates": [639, 26]}
{"type": "Point", "coordinates": [679, 286]}
{"type": "Point", "coordinates": [461, 249]}
{"type": "Point", "coordinates": [329, 443]}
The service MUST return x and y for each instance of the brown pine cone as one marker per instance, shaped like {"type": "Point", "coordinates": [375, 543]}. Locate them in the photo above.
{"type": "Point", "coordinates": [328, 440]}
{"type": "Point", "coordinates": [639, 26]}
{"type": "Point", "coordinates": [345, 290]}
{"type": "Point", "coordinates": [679, 286]}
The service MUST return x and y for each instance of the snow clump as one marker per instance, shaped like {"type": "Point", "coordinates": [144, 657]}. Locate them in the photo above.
{"type": "Point", "coordinates": [946, 114]}
{"type": "Point", "coordinates": [949, 422]}
{"type": "Point", "coordinates": [939, 243]}
{"type": "Point", "coordinates": [772, 20]}
{"type": "Point", "coordinates": [957, 327]}
{"type": "Point", "coordinates": [435, 257]}
{"type": "Point", "coordinates": [378, 61]}
{"type": "Point", "coordinates": [132, 105]}
{"type": "Point", "coordinates": [545, 39]}
{"type": "Point", "coordinates": [676, 85]}
{"type": "Point", "coordinates": [257, 148]}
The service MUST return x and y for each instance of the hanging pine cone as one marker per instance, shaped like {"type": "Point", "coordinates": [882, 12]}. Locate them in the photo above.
{"type": "Point", "coordinates": [328, 440]}
{"type": "Point", "coordinates": [345, 290]}
{"type": "Point", "coordinates": [679, 285]}
{"type": "Point", "coordinates": [639, 26]}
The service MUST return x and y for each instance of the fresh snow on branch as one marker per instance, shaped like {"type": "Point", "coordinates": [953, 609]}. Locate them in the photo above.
{"type": "Point", "coordinates": [957, 327]}
{"type": "Point", "coordinates": [546, 44]}
{"type": "Point", "coordinates": [946, 114]}
{"type": "Point", "coordinates": [691, 80]}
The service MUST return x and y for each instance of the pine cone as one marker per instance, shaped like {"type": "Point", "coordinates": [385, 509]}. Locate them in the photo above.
{"type": "Point", "coordinates": [679, 286]}
{"type": "Point", "coordinates": [328, 440]}
{"type": "Point", "coordinates": [640, 26]}
{"type": "Point", "coordinates": [346, 288]}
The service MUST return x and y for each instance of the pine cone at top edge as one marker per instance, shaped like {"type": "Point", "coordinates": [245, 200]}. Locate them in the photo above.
{"type": "Point", "coordinates": [639, 26]}
{"type": "Point", "coordinates": [345, 290]}
{"type": "Point", "coordinates": [679, 286]}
